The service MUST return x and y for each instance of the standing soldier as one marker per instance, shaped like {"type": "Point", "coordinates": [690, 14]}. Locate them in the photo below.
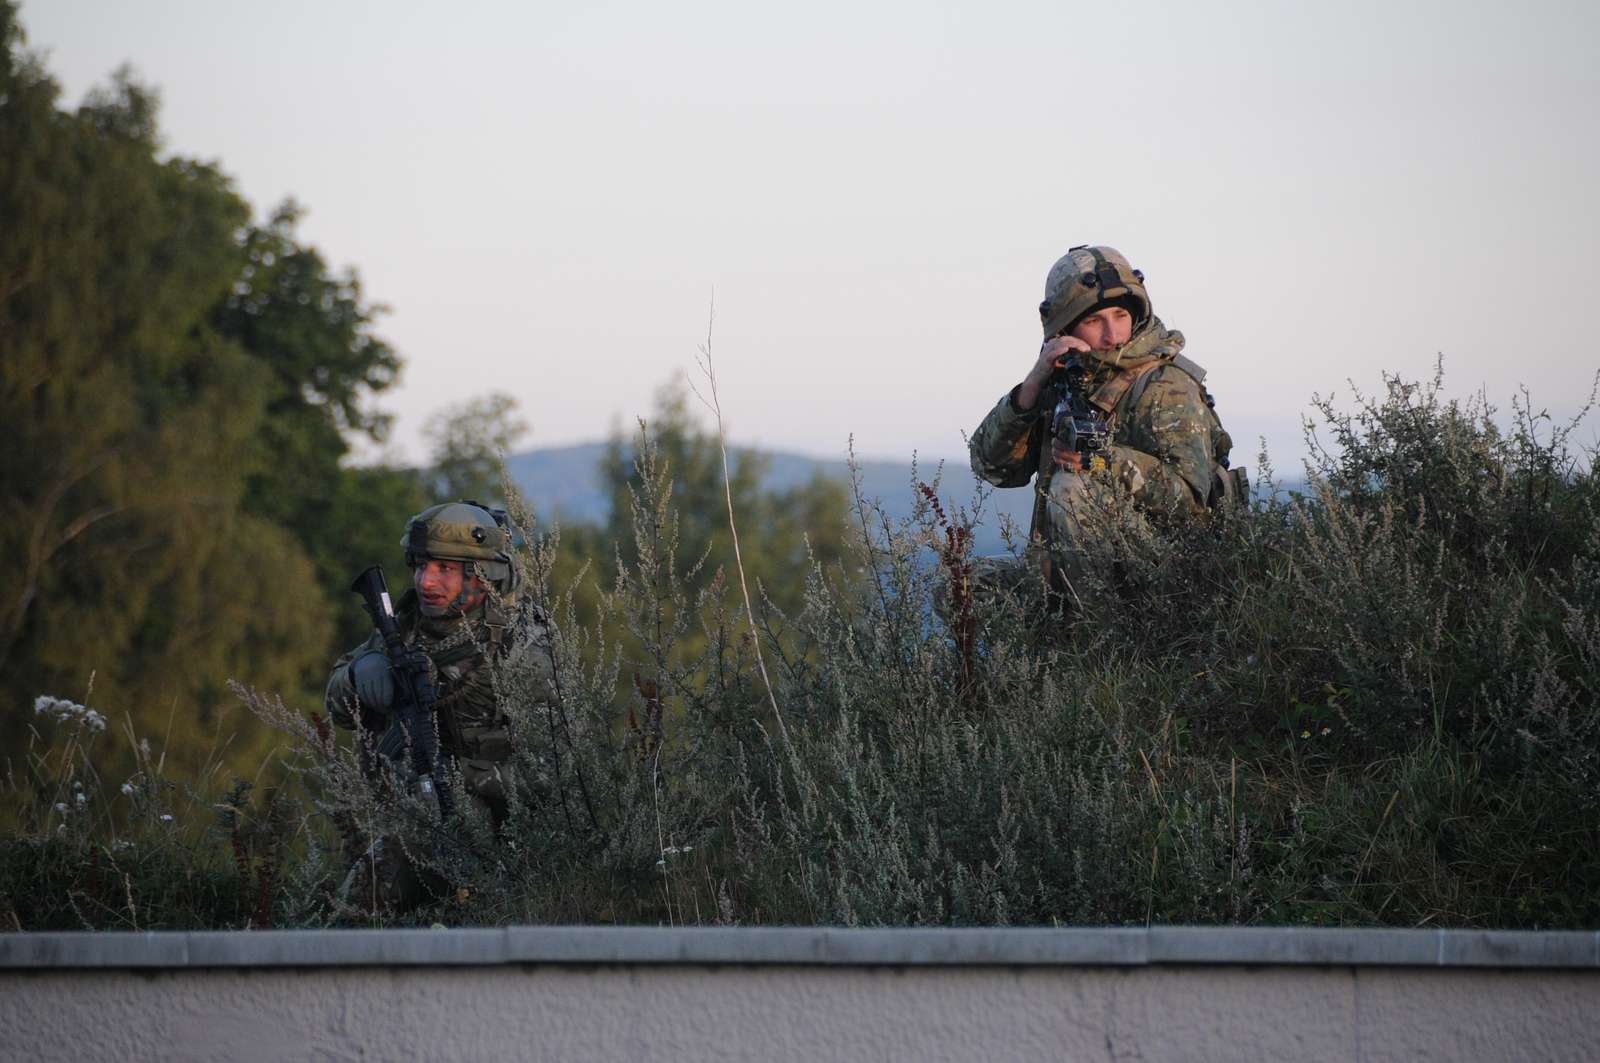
{"type": "Point", "coordinates": [1109, 410]}
{"type": "Point", "coordinates": [466, 614]}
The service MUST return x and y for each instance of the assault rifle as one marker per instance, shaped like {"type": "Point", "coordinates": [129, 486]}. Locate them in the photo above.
{"type": "Point", "coordinates": [414, 694]}
{"type": "Point", "coordinates": [1076, 424]}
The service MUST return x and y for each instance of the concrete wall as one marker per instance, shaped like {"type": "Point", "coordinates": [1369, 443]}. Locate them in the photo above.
{"type": "Point", "coordinates": [657, 994]}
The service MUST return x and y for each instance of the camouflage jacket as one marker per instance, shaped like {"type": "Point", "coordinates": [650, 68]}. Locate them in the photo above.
{"type": "Point", "coordinates": [1166, 439]}
{"type": "Point", "coordinates": [473, 724]}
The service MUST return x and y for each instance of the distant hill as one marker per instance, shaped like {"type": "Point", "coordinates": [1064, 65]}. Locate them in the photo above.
{"type": "Point", "coordinates": [564, 483]}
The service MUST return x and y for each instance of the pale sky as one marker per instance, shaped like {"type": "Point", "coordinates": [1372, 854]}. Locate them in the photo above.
{"type": "Point", "coordinates": [547, 195]}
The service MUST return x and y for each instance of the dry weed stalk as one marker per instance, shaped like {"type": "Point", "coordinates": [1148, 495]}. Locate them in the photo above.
{"type": "Point", "coordinates": [714, 404]}
{"type": "Point", "coordinates": [955, 557]}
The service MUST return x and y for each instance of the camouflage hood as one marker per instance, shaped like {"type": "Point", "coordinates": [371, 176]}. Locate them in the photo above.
{"type": "Point", "coordinates": [1154, 341]}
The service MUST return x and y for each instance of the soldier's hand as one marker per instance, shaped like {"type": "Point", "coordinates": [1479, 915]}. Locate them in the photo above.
{"type": "Point", "coordinates": [1051, 355]}
{"type": "Point", "coordinates": [1070, 460]}
{"type": "Point", "coordinates": [417, 662]}
{"type": "Point", "coordinates": [373, 679]}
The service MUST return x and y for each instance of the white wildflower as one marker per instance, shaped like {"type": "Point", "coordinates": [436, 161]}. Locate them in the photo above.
{"type": "Point", "coordinates": [83, 799]}
{"type": "Point", "coordinates": [61, 807]}
{"type": "Point", "coordinates": [64, 711]}
{"type": "Point", "coordinates": [127, 788]}
{"type": "Point", "coordinates": [166, 817]}
{"type": "Point", "coordinates": [672, 850]}
{"type": "Point", "coordinates": [60, 708]}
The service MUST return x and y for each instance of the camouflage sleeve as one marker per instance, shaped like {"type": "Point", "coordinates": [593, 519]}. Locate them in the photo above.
{"type": "Point", "coordinates": [340, 697]}
{"type": "Point", "coordinates": [1170, 431]}
{"type": "Point", "coordinates": [1005, 448]}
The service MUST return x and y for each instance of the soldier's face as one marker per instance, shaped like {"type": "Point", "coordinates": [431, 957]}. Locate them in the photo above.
{"type": "Point", "coordinates": [440, 585]}
{"type": "Point", "coordinates": [1104, 329]}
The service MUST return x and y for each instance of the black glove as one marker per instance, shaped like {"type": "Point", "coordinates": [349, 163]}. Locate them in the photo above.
{"type": "Point", "coordinates": [417, 662]}
{"type": "Point", "coordinates": [373, 679]}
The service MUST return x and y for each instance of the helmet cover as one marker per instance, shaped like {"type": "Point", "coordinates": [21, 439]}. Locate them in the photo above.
{"type": "Point", "coordinates": [460, 531]}
{"type": "Point", "coordinates": [1086, 279]}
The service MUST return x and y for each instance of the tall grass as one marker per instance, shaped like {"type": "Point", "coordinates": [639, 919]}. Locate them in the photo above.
{"type": "Point", "coordinates": [1372, 703]}
{"type": "Point", "coordinates": [142, 850]}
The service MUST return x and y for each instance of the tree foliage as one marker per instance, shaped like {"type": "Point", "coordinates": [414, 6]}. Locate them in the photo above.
{"type": "Point", "coordinates": [468, 445]}
{"type": "Point", "coordinates": [678, 501]}
{"type": "Point", "coordinates": [780, 531]}
{"type": "Point", "coordinates": [311, 329]}
{"type": "Point", "coordinates": [176, 385]}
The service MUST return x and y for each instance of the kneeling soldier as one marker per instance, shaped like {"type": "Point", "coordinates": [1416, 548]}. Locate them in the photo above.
{"type": "Point", "coordinates": [1110, 410]}
{"type": "Point", "coordinates": [465, 615]}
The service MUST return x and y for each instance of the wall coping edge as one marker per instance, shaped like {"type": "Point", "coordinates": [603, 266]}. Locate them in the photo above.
{"type": "Point", "coordinates": [805, 946]}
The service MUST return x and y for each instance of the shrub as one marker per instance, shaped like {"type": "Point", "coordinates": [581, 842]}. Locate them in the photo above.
{"type": "Point", "coordinates": [1370, 702]}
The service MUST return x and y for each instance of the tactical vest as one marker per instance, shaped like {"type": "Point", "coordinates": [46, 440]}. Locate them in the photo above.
{"type": "Point", "coordinates": [455, 661]}
{"type": "Point", "coordinates": [1126, 388]}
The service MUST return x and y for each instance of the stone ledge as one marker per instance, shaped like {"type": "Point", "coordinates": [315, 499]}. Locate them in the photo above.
{"type": "Point", "coordinates": [807, 946]}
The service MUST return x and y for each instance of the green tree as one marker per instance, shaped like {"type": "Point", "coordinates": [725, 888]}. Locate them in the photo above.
{"type": "Point", "coordinates": [774, 526]}
{"type": "Point", "coordinates": [781, 533]}
{"type": "Point", "coordinates": [311, 330]}
{"type": "Point", "coordinates": [469, 443]}
{"type": "Point", "coordinates": [129, 554]}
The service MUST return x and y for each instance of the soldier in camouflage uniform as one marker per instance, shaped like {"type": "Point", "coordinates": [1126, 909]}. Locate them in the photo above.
{"type": "Point", "coordinates": [1167, 448]}
{"type": "Point", "coordinates": [466, 612]}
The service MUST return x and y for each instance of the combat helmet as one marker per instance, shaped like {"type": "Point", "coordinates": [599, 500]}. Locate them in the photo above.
{"type": "Point", "coordinates": [465, 531]}
{"type": "Point", "coordinates": [1086, 278]}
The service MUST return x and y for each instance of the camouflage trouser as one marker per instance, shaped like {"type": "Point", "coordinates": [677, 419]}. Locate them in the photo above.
{"type": "Point", "coordinates": [390, 878]}
{"type": "Point", "coordinates": [387, 877]}
{"type": "Point", "coordinates": [1015, 579]}
{"type": "Point", "coordinates": [1006, 574]}
{"type": "Point", "coordinates": [485, 749]}
{"type": "Point", "coordinates": [1092, 521]}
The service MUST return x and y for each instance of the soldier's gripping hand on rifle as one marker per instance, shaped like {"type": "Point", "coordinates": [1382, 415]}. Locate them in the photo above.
{"type": "Point", "coordinates": [372, 677]}
{"type": "Point", "coordinates": [373, 680]}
